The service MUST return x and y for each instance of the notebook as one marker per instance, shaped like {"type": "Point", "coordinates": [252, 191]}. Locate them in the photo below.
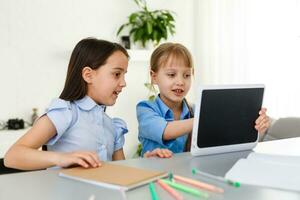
{"type": "Point", "coordinates": [287, 147]}
{"type": "Point", "coordinates": [275, 171]}
{"type": "Point", "coordinates": [113, 176]}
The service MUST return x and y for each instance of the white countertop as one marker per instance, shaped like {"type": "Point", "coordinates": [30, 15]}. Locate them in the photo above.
{"type": "Point", "coordinates": [8, 138]}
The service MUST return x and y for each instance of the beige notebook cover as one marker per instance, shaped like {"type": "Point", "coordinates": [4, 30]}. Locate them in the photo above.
{"type": "Point", "coordinates": [113, 176]}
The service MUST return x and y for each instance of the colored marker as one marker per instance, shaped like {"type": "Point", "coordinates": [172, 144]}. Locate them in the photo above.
{"type": "Point", "coordinates": [185, 188]}
{"type": "Point", "coordinates": [219, 178]}
{"type": "Point", "coordinates": [170, 176]}
{"type": "Point", "coordinates": [171, 191]}
{"type": "Point", "coordinates": [199, 184]}
{"type": "Point", "coordinates": [153, 191]}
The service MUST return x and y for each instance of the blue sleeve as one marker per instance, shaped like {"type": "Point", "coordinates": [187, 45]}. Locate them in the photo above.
{"type": "Point", "coordinates": [120, 131]}
{"type": "Point", "coordinates": [151, 124]}
{"type": "Point", "coordinates": [60, 114]}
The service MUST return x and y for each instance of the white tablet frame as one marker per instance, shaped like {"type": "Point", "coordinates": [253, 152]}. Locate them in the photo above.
{"type": "Point", "coordinates": [195, 150]}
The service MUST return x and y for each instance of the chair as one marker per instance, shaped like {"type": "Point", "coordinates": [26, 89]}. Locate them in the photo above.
{"type": "Point", "coordinates": [281, 128]}
{"type": "Point", "coordinates": [6, 170]}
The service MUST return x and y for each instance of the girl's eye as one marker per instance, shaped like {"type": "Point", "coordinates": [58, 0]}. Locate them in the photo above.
{"type": "Point", "coordinates": [171, 75]}
{"type": "Point", "coordinates": [117, 75]}
{"type": "Point", "coordinates": [187, 75]}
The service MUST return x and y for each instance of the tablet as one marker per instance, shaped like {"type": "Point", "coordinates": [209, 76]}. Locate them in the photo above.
{"type": "Point", "coordinates": [225, 117]}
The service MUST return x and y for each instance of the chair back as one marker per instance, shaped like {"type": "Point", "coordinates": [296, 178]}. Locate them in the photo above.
{"type": "Point", "coordinates": [287, 127]}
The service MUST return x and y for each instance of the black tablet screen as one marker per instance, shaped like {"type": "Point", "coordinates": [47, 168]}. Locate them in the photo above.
{"type": "Point", "coordinates": [227, 116]}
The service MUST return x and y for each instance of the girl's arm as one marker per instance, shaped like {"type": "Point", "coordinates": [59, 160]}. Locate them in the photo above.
{"type": "Point", "coordinates": [24, 154]}
{"type": "Point", "coordinates": [178, 128]}
{"type": "Point", "coordinates": [118, 155]}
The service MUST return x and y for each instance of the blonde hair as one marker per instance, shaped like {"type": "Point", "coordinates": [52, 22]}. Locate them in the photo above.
{"type": "Point", "coordinates": [164, 52]}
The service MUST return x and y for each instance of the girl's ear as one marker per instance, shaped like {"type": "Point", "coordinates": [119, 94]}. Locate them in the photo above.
{"type": "Point", "coordinates": [87, 74]}
{"type": "Point", "coordinates": [153, 76]}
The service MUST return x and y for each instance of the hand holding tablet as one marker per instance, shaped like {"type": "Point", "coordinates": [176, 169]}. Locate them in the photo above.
{"type": "Point", "coordinates": [225, 118]}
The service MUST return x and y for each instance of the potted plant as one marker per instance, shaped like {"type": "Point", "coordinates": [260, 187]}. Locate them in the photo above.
{"type": "Point", "coordinates": [152, 91]}
{"type": "Point", "coordinates": [149, 26]}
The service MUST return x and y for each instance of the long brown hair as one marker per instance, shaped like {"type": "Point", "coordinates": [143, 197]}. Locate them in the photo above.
{"type": "Point", "coordinates": [89, 52]}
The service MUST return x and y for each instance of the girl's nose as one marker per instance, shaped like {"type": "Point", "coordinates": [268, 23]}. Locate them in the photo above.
{"type": "Point", "coordinates": [123, 83]}
{"type": "Point", "coordinates": [179, 81]}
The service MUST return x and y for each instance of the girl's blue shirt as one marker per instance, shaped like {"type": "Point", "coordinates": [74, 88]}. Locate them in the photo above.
{"type": "Point", "coordinates": [83, 125]}
{"type": "Point", "coordinates": [153, 117]}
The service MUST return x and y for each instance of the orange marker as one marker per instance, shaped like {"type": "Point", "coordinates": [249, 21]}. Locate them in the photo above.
{"type": "Point", "coordinates": [199, 184]}
{"type": "Point", "coordinates": [172, 192]}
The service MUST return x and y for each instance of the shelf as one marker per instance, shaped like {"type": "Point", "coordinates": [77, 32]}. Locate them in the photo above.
{"type": "Point", "coordinates": [140, 55]}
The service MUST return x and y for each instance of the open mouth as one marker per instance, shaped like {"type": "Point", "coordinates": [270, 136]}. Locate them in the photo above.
{"type": "Point", "coordinates": [116, 93]}
{"type": "Point", "coordinates": [178, 92]}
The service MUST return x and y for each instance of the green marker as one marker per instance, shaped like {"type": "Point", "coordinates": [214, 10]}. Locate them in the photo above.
{"type": "Point", "coordinates": [153, 191]}
{"type": "Point", "coordinates": [233, 183]}
{"type": "Point", "coordinates": [185, 189]}
{"type": "Point", "coordinates": [170, 177]}
{"type": "Point", "coordinates": [219, 178]}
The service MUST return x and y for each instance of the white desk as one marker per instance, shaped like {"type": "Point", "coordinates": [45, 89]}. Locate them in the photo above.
{"type": "Point", "coordinates": [8, 138]}
{"type": "Point", "coordinates": [47, 185]}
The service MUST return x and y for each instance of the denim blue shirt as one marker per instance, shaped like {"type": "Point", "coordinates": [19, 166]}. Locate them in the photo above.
{"type": "Point", "coordinates": [153, 117]}
{"type": "Point", "coordinates": [83, 125]}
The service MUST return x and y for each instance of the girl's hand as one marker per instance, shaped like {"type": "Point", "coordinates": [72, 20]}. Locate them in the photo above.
{"type": "Point", "coordinates": [84, 159]}
{"type": "Point", "coordinates": [262, 123]}
{"type": "Point", "coordinates": [162, 153]}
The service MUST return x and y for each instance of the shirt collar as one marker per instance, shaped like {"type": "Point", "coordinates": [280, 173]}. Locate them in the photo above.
{"type": "Point", "coordinates": [87, 103]}
{"type": "Point", "coordinates": [185, 111]}
{"type": "Point", "coordinates": [165, 109]}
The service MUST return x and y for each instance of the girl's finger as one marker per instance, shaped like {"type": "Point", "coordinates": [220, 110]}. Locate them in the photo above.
{"type": "Point", "coordinates": [88, 159]}
{"type": "Point", "coordinates": [258, 120]}
{"type": "Point", "coordinates": [267, 120]}
{"type": "Point", "coordinates": [167, 153]}
{"type": "Point", "coordinates": [81, 162]}
{"type": "Point", "coordinates": [263, 110]}
{"type": "Point", "coordinates": [164, 153]}
{"type": "Point", "coordinates": [160, 154]}
{"type": "Point", "coordinates": [95, 157]}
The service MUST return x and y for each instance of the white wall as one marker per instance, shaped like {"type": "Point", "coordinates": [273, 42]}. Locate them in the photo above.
{"type": "Point", "coordinates": [36, 40]}
{"type": "Point", "coordinates": [252, 41]}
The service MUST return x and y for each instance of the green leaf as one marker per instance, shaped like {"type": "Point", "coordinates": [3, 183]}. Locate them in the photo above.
{"type": "Point", "coordinates": [148, 85]}
{"type": "Point", "coordinates": [155, 34]}
{"type": "Point", "coordinates": [152, 97]}
{"type": "Point", "coordinates": [120, 29]}
{"type": "Point", "coordinates": [132, 18]}
{"type": "Point", "coordinates": [170, 17]}
{"type": "Point", "coordinates": [149, 28]}
{"type": "Point", "coordinates": [138, 35]}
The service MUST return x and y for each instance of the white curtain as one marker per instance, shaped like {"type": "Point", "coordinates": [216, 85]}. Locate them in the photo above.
{"type": "Point", "coordinates": [251, 41]}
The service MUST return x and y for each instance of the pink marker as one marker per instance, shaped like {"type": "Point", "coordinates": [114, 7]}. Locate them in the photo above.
{"type": "Point", "coordinates": [199, 184]}
{"type": "Point", "coordinates": [171, 191]}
